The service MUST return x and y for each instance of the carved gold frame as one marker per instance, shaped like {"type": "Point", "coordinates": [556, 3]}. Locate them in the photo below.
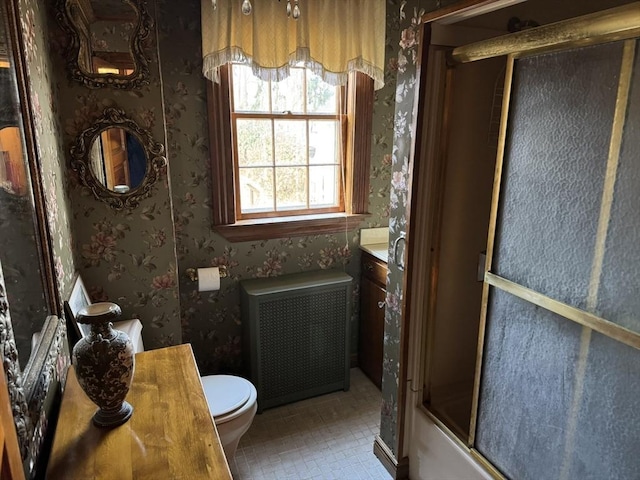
{"type": "Point", "coordinates": [141, 33]}
{"type": "Point", "coordinates": [154, 151]}
{"type": "Point", "coordinates": [30, 389]}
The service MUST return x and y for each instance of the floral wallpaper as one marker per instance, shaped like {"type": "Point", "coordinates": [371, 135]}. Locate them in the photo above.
{"type": "Point", "coordinates": [33, 29]}
{"type": "Point", "coordinates": [127, 257]}
{"type": "Point", "coordinates": [410, 14]}
{"type": "Point", "coordinates": [383, 121]}
{"type": "Point", "coordinates": [211, 320]}
{"type": "Point", "coordinates": [51, 156]}
{"type": "Point", "coordinates": [137, 258]}
{"type": "Point", "coordinates": [111, 36]}
{"type": "Point", "coordinates": [21, 264]}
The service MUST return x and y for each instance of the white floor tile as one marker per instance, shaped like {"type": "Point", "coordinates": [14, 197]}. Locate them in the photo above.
{"type": "Point", "coordinates": [323, 438]}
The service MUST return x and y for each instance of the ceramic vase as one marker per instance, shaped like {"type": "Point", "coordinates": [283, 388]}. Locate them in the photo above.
{"type": "Point", "coordinates": [104, 363]}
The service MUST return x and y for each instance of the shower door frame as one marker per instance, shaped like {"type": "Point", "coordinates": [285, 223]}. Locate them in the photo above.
{"type": "Point", "coordinates": [622, 23]}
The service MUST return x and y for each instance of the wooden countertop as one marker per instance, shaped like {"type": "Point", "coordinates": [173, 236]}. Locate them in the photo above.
{"type": "Point", "coordinates": [171, 434]}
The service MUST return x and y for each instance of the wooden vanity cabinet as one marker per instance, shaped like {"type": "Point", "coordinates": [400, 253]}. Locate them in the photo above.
{"type": "Point", "coordinates": [372, 306]}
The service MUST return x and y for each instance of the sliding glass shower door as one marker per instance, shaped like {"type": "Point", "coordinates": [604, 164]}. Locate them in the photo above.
{"type": "Point", "coordinates": [559, 368]}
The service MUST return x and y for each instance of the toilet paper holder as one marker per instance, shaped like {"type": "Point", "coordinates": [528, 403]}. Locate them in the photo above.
{"type": "Point", "coordinates": [192, 273]}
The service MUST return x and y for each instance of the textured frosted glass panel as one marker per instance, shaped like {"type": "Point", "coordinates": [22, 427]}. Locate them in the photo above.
{"type": "Point", "coordinates": [619, 297]}
{"type": "Point", "coordinates": [608, 429]}
{"type": "Point", "coordinates": [555, 159]}
{"type": "Point", "coordinates": [527, 387]}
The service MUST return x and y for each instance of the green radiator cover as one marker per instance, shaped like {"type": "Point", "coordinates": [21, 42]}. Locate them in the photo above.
{"type": "Point", "coordinates": [296, 335]}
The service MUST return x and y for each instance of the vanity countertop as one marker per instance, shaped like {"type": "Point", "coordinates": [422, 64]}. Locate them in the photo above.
{"type": "Point", "coordinates": [376, 242]}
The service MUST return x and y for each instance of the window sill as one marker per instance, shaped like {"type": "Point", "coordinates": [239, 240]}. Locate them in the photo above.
{"type": "Point", "coordinates": [283, 227]}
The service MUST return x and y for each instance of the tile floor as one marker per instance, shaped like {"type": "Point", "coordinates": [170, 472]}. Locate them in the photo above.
{"type": "Point", "coordinates": [325, 438]}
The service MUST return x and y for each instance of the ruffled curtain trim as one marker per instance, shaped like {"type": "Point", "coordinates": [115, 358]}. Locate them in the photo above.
{"type": "Point", "coordinates": [301, 56]}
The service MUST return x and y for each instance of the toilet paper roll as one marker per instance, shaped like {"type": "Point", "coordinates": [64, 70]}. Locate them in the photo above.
{"type": "Point", "coordinates": [208, 279]}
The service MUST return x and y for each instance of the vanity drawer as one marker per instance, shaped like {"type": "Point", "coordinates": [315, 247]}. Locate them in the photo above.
{"type": "Point", "coordinates": [374, 269]}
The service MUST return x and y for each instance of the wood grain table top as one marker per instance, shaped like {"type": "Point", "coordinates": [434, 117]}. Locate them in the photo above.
{"type": "Point", "coordinates": [171, 434]}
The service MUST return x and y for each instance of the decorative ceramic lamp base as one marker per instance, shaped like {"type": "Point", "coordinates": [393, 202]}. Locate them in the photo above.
{"type": "Point", "coordinates": [104, 363]}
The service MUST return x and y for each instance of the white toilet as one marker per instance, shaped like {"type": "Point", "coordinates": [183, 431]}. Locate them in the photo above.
{"type": "Point", "coordinates": [233, 404]}
{"type": "Point", "coordinates": [233, 401]}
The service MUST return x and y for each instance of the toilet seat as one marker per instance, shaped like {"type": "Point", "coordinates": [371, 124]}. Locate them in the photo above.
{"type": "Point", "coordinates": [228, 396]}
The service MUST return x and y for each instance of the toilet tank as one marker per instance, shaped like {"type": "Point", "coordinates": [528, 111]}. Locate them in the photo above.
{"type": "Point", "coordinates": [296, 331]}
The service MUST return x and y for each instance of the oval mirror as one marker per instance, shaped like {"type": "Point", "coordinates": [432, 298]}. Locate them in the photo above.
{"type": "Point", "coordinates": [117, 159]}
{"type": "Point", "coordinates": [106, 39]}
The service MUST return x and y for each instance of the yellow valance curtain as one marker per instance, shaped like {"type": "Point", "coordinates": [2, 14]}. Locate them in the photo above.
{"type": "Point", "coordinates": [331, 37]}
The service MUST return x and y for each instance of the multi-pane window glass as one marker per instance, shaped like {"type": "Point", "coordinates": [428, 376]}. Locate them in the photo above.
{"type": "Point", "coordinates": [288, 146]}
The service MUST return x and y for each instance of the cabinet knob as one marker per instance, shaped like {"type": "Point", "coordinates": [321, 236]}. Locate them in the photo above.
{"type": "Point", "coordinates": [368, 267]}
{"type": "Point", "coordinates": [381, 304]}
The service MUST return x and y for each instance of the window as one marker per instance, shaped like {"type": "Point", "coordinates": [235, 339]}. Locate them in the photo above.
{"type": "Point", "coordinates": [287, 144]}
{"type": "Point", "coordinates": [289, 157]}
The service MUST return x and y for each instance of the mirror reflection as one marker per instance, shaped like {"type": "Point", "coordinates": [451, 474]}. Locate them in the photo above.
{"type": "Point", "coordinates": [105, 29]}
{"type": "Point", "coordinates": [118, 160]}
{"type": "Point", "coordinates": [19, 251]}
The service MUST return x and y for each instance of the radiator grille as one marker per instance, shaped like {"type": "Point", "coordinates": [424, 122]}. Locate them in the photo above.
{"type": "Point", "coordinates": [298, 335]}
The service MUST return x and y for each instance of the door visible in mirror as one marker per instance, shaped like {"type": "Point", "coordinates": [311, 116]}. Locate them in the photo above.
{"type": "Point", "coordinates": [118, 160]}
{"type": "Point", "coordinates": [104, 29]}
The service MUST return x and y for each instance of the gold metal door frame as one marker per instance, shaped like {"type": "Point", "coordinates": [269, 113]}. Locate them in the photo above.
{"type": "Point", "coordinates": [622, 23]}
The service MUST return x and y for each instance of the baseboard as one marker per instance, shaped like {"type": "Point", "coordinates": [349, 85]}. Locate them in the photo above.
{"type": "Point", "coordinates": [397, 470]}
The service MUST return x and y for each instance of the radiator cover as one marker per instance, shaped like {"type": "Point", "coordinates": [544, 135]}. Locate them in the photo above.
{"type": "Point", "coordinates": [296, 334]}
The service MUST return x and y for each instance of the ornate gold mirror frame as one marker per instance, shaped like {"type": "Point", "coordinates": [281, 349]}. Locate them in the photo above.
{"type": "Point", "coordinates": [82, 152]}
{"type": "Point", "coordinates": [76, 49]}
{"type": "Point", "coordinates": [30, 390]}
{"type": "Point", "coordinates": [32, 386]}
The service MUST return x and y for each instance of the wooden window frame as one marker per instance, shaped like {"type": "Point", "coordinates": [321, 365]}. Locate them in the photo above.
{"type": "Point", "coordinates": [356, 172]}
